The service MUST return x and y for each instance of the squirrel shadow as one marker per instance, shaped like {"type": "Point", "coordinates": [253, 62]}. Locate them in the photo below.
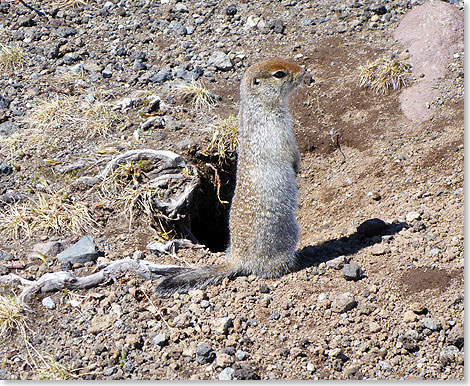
{"type": "Point", "coordinates": [368, 233]}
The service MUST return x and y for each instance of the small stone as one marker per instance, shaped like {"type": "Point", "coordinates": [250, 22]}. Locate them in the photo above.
{"type": "Point", "coordinates": [352, 272]}
{"type": "Point", "coordinates": [343, 303]}
{"type": "Point", "coordinates": [311, 367]}
{"type": "Point", "coordinates": [48, 303]}
{"type": "Point", "coordinates": [226, 374]}
{"type": "Point", "coordinates": [412, 216]}
{"type": "Point", "coordinates": [152, 122]}
{"type": "Point", "coordinates": [322, 297]}
{"type": "Point", "coordinates": [374, 195]}
{"type": "Point", "coordinates": [231, 10]}
{"type": "Point", "coordinates": [448, 355]}
{"type": "Point", "coordinates": [246, 373]}
{"type": "Point", "coordinates": [372, 227]}
{"type": "Point", "coordinates": [374, 18]}
{"type": "Point", "coordinates": [81, 252]}
{"type": "Point", "coordinates": [6, 256]}
{"type": "Point", "coordinates": [374, 327]}
{"type": "Point", "coordinates": [134, 341]}
{"type": "Point", "coordinates": [108, 371]}
{"type": "Point", "coordinates": [432, 324]}
{"type": "Point", "coordinates": [128, 367]}
{"type": "Point", "coordinates": [5, 169]}
{"type": "Point", "coordinates": [265, 300]}
{"type": "Point", "coordinates": [228, 350]}
{"type": "Point", "coordinates": [409, 340]}
{"type": "Point", "coordinates": [160, 340]}
{"type": "Point", "coordinates": [336, 263]}
{"type": "Point", "coordinates": [4, 102]}
{"type": "Point", "coordinates": [77, 68]}
{"type": "Point", "coordinates": [277, 25]}
{"type": "Point", "coordinates": [120, 11]}
{"type": "Point", "coordinates": [455, 336]}
{"type": "Point", "coordinates": [139, 65]}
{"type": "Point", "coordinates": [240, 355]}
{"type": "Point", "coordinates": [221, 326]}
{"type": "Point", "coordinates": [138, 255]}
{"type": "Point", "coordinates": [197, 295]}
{"type": "Point", "coordinates": [252, 21]}
{"type": "Point", "coordinates": [107, 73]}
{"type": "Point", "coordinates": [205, 303]}
{"type": "Point", "coordinates": [223, 360]}
{"type": "Point", "coordinates": [275, 316]}
{"type": "Point", "coordinates": [187, 143]}
{"type": "Point", "coordinates": [379, 249]}
{"type": "Point", "coordinates": [180, 7]}
{"type": "Point", "coordinates": [49, 248]}
{"type": "Point", "coordinates": [4, 270]}
{"type": "Point", "coordinates": [419, 308]}
{"type": "Point", "coordinates": [409, 316]}
{"type": "Point", "coordinates": [65, 32]}
{"type": "Point", "coordinates": [7, 128]}
{"type": "Point", "coordinates": [162, 76]}
{"type": "Point", "coordinates": [178, 28]}
{"type": "Point", "coordinates": [204, 354]}
{"type": "Point", "coordinates": [264, 289]}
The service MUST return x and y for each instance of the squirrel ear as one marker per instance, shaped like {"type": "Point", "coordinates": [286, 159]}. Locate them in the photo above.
{"type": "Point", "coordinates": [255, 81]}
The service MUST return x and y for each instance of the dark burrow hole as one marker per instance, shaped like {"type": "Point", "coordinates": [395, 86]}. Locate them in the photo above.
{"type": "Point", "coordinates": [210, 206]}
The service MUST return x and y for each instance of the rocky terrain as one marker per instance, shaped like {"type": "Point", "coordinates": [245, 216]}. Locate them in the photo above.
{"type": "Point", "coordinates": [381, 206]}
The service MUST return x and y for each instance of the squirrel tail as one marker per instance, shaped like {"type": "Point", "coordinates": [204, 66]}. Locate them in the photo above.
{"type": "Point", "coordinates": [186, 279]}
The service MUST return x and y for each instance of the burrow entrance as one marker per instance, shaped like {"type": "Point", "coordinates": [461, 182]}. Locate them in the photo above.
{"type": "Point", "coordinates": [210, 206]}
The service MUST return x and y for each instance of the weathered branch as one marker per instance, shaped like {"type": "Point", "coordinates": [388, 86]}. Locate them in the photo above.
{"type": "Point", "coordinates": [170, 161]}
{"type": "Point", "coordinates": [55, 281]}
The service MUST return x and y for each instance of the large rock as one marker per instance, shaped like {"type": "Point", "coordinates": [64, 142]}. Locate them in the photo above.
{"type": "Point", "coordinates": [220, 61]}
{"type": "Point", "coordinates": [81, 252]}
{"type": "Point", "coordinates": [433, 33]}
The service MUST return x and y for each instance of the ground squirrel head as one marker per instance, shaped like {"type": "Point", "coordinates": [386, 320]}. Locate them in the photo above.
{"type": "Point", "coordinates": [270, 82]}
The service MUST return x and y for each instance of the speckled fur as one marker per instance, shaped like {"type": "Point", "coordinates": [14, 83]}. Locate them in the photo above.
{"type": "Point", "coordinates": [263, 229]}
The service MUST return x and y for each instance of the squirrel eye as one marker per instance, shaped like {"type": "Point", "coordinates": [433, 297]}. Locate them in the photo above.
{"type": "Point", "coordinates": [279, 74]}
{"type": "Point", "coordinates": [255, 81]}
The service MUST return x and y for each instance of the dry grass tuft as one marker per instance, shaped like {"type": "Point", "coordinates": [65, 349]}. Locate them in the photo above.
{"type": "Point", "coordinates": [128, 184]}
{"type": "Point", "coordinates": [11, 57]}
{"type": "Point", "coordinates": [50, 213]}
{"type": "Point", "coordinates": [70, 4]}
{"type": "Point", "coordinates": [71, 113]}
{"type": "Point", "coordinates": [224, 136]}
{"type": "Point", "coordinates": [201, 96]}
{"type": "Point", "coordinates": [384, 74]}
{"type": "Point", "coordinates": [12, 316]}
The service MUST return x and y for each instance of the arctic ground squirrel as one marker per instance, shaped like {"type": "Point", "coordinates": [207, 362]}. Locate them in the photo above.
{"type": "Point", "coordinates": [262, 224]}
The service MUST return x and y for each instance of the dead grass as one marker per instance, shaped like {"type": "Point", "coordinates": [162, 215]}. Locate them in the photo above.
{"type": "Point", "coordinates": [127, 185]}
{"type": "Point", "coordinates": [201, 97]}
{"type": "Point", "coordinates": [73, 116]}
{"type": "Point", "coordinates": [383, 74]}
{"type": "Point", "coordinates": [70, 4]}
{"type": "Point", "coordinates": [13, 317]}
{"type": "Point", "coordinates": [51, 213]}
{"type": "Point", "coordinates": [11, 57]}
{"type": "Point", "coordinates": [224, 137]}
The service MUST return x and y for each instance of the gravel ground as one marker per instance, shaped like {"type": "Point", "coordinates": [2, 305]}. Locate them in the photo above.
{"type": "Point", "coordinates": [380, 209]}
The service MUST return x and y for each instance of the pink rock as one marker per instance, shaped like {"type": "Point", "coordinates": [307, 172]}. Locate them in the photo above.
{"type": "Point", "coordinates": [433, 32]}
